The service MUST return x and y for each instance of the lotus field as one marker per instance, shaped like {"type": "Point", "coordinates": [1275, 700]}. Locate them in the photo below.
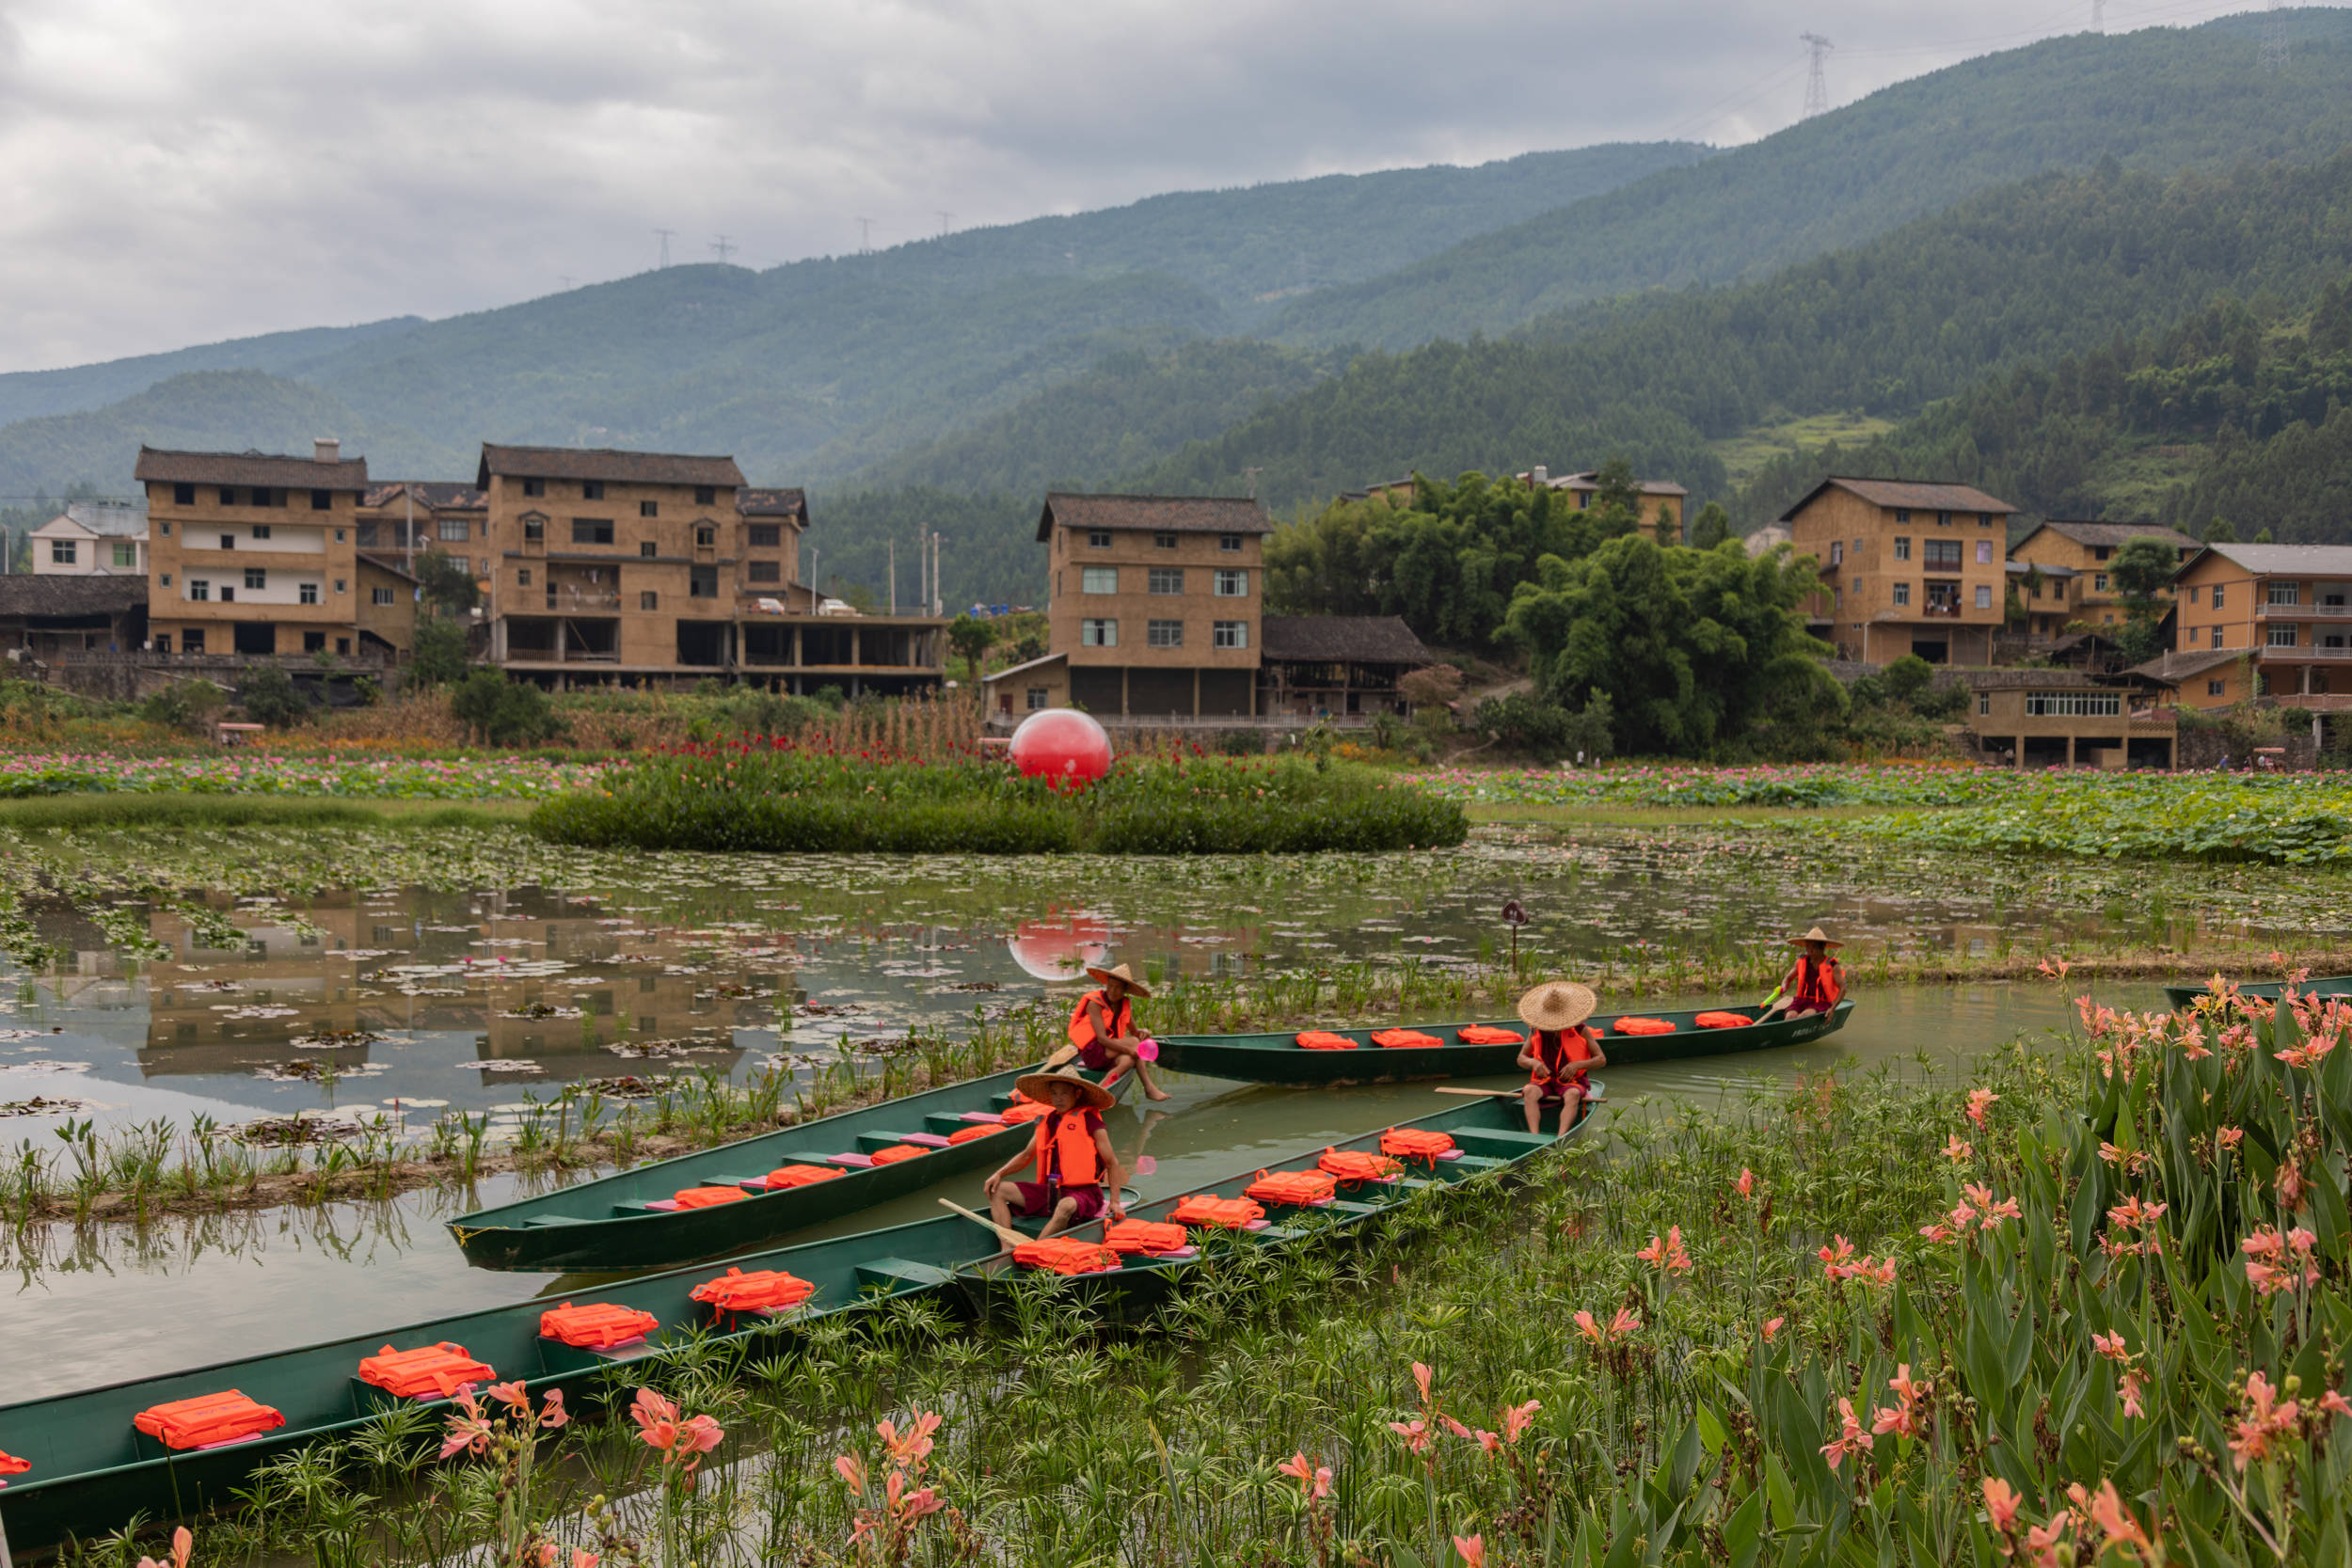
{"type": "Point", "coordinates": [263, 773]}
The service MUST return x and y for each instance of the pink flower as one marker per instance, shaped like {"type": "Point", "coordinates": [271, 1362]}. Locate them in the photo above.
{"type": "Point", "coordinates": [1473, 1550]}
{"type": "Point", "coordinates": [2228, 1137]}
{"type": "Point", "coordinates": [1421, 1379]}
{"type": "Point", "coordinates": [1666, 1253]}
{"type": "Point", "coordinates": [469, 1429]}
{"type": "Point", "coordinates": [1977, 1100]}
{"type": "Point", "coordinates": [915, 1444]}
{"type": "Point", "coordinates": [2129, 1389]}
{"type": "Point", "coordinates": [1771, 1327]}
{"type": "Point", "coordinates": [1586, 1327]}
{"type": "Point", "coordinates": [1625, 1323]}
{"type": "Point", "coordinates": [1832, 1260]}
{"type": "Point", "coordinates": [2263, 1422]}
{"type": "Point", "coordinates": [1959, 1150]}
{"type": "Point", "coordinates": [183, 1542]}
{"type": "Point", "coordinates": [1314, 1482]}
{"type": "Point", "coordinates": [1517, 1418]}
{"type": "Point", "coordinates": [2108, 1513]}
{"type": "Point", "coordinates": [2335, 1403]}
{"type": "Point", "coordinates": [852, 1470]}
{"type": "Point", "coordinates": [552, 1415]}
{"type": "Point", "coordinates": [1852, 1437]}
{"type": "Point", "coordinates": [2111, 1346]}
{"type": "Point", "coordinates": [1415, 1433]}
{"type": "Point", "coordinates": [1746, 1184]}
{"type": "Point", "coordinates": [2000, 1503]}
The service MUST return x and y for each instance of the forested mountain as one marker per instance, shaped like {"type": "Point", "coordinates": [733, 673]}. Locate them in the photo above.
{"type": "Point", "coordinates": [2157, 100]}
{"type": "Point", "coordinates": [2009, 278]}
{"type": "Point", "coordinates": [2228, 415]}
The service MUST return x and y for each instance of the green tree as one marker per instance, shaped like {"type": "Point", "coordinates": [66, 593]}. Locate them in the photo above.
{"type": "Point", "coordinates": [438, 655]}
{"type": "Point", "coordinates": [1907, 679]}
{"type": "Point", "coordinates": [269, 696]}
{"type": "Point", "coordinates": [2220, 531]}
{"type": "Point", "coordinates": [971, 638]}
{"type": "Point", "coordinates": [1710, 528]}
{"type": "Point", "coordinates": [2141, 571]}
{"type": "Point", "coordinates": [504, 712]}
{"type": "Point", "coordinates": [448, 583]}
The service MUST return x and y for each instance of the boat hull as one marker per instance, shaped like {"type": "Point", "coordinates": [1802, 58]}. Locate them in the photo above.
{"type": "Point", "coordinates": [1279, 1058]}
{"type": "Point", "coordinates": [2322, 985]}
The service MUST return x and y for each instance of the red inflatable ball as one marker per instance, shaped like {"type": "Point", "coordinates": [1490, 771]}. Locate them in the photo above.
{"type": "Point", "coordinates": [1064, 745]}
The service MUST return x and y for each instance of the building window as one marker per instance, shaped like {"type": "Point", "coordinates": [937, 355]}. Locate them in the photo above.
{"type": "Point", "coordinates": [1902, 594]}
{"type": "Point", "coordinates": [1164, 541]}
{"type": "Point", "coordinates": [706, 536]}
{"type": "Point", "coordinates": [592, 531]}
{"type": "Point", "coordinates": [1903, 547]}
{"type": "Point", "coordinates": [260, 530]}
{"type": "Point", "coordinates": [2099, 582]}
{"type": "Point", "coordinates": [1098, 580]}
{"type": "Point", "coordinates": [1233, 582]}
{"type": "Point", "coordinates": [1098, 538]}
{"type": "Point", "coordinates": [2217, 594]}
{"type": "Point", "coordinates": [1228, 542]}
{"type": "Point", "coordinates": [705, 495]}
{"type": "Point", "coordinates": [165, 580]}
{"type": "Point", "coordinates": [1167, 579]}
{"type": "Point", "coordinates": [228, 593]}
{"type": "Point", "coordinates": [1838, 552]}
{"type": "Point", "coordinates": [382, 597]}
{"type": "Point", "coordinates": [322, 501]}
{"type": "Point", "coordinates": [453, 528]}
{"type": "Point", "coordinates": [592, 489]}
{"type": "Point", "coordinates": [766, 536]}
{"type": "Point", "coordinates": [339, 536]}
{"type": "Point", "coordinates": [228, 495]}
{"type": "Point", "coordinates": [1943, 519]}
{"type": "Point", "coordinates": [308, 592]}
{"type": "Point", "coordinates": [534, 486]}
{"type": "Point", "coordinates": [1984, 519]}
{"type": "Point", "coordinates": [1984, 595]}
{"type": "Point", "coordinates": [2192, 635]}
{"type": "Point", "coordinates": [767, 571]}
{"type": "Point", "coordinates": [167, 530]}
{"type": "Point", "coordinates": [1231, 634]}
{"type": "Point", "coordinates": [534, 531]}
{"type": "Point", "coordinates": [702, 582]}
{"type": "Point", "coordinates": [1038, 697]}
{"type": "Point", "coordinates": [2216, 689]}
{"type": "Point", "coordinates": [2192, 595]}
{"type": "Point", "coordinates": [2281, 637]}
{"type": "Point", "coordinates": [1164, 634]}
{"type": "Point", "coordinates": [63, 552]}
{"type": "Point", "coordinates": [162, 643]}
{"type": "Point", "coordinates": [648, 549]}
{"type": "Point", "coordinates": [314, 642]}
{"type": "Point", "coordinates": [184, 495]}
{"type": "Point", "coordinates": [1984, 703]}
{"type": "Point", "coordinates": [2285, 592]}
{"type": "Point", "coordinates": [2220, 635]}
{"type": "Point", "coordinates": [648, 600]}
{"type": "Point", "coordinates": [2074, 705]}
{"type": "Point", "coordinates": [1984, 552]}
{"type": "Point", "coordinates": [256, 577]}
{"type": "Point", "coordinates": [191, 641]}
{"type": "Point", "coordinates": [1837, 598]}
{"type": "Point", "coordinates": [1093, 633]}
{"type": "Point", "coordinates": [342, 645]}
{"type": "Point", "coordinates": [1943, 555]}
{"type": "Point", "coordinates": [649, 508]}
{"type": "Point", "coordinates": [1902, 517]}
{"type": "Point", "coordinates": [200, 589]}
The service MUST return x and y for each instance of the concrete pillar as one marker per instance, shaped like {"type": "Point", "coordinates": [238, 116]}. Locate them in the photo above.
{"type": "Point", "coordinates": [1196, 691]}
{"type": "Point", "coordinates": [1123, 692]}
{"type": "Point", "coordinates": [2070, 752]}
{"type": "Point", "coordinates": [796, 648]}
{"type": "Point", "coordinates": [855, 658]}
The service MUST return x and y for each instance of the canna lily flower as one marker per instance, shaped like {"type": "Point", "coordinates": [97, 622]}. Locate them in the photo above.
{"type": "Point", "coordinates": [2335, 1403]}
{"type": "Point", "coordinates": [913, 1446]}
{"type": "Point", "coordinates": [1421, 1379]}
{"type": "Point", "coordinates": [1473, 1550]}
{"type": "Point", "coordinates": [852, 1469]}
{"type": "Point", "coordinates": [1625, 1323]}
{"type": "Point", "coordinates": [183, 1542]}
{"type": "Point", "coordinates": [2263, 1422]}
{"type": "Point", "coordinates": [1959, 1151]}
{"type": "Point", "coordinates": [1459, 1429]}
{"type": "Point", "coordinates": [2000, 1504]}
{"type": "Point", "coordinates": [2042, 1542]}
{"type": "Point", "coordinates": [1771, 1327]}
{"type": "Point", "coordinates": [469, 1429]}
{"type": "Point", "coordinates": [1852, 1436]}
{"type": "Point", "coordinates": [2129, 1389]}
{"type": "Point", "coordinates": [552, 1416]}
{"type": "Point", "coordinates": [511, 1394]}
{"type": "Point", "coordinates": [2108, 1513]}
{"type": "Point", "coordinates": [2111, 1346]}
{"type": "Point", "coordinates": [1415, 1433]}
{"type": "Point", "coordinates": [1977, 1100]}
{"type": "Point", "coordinates": [1586, 1327]}
{"type": "Point", "coordinates": [1314, 1482]}
{"type": "Point", "coordinates": [1517, 1418]}
{"type": "Point", "coordinates": [1844, 1249]}
{"type": "Point", "coordinates": [1942, 1234]}
{"type": "Point", "coordinates": [2228, 1137]}
{"type": "Point", "coordinates": [1746, 1184]}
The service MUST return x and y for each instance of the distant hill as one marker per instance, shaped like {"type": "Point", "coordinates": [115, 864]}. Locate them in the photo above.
{"type": "Point", "coordinates": [2159, 100]}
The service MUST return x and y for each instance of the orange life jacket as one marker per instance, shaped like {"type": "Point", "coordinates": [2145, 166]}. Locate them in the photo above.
{"type": "Point", "coordinates": [1405, 1039]}
{"type": "Point", "coordinates": [11, 1466]}
{"type": "Point", "coordinates": [1723, 1021]}
{"type": "Point", "coordinates": [1416, 1143]}
{"type": "Point", "coordinates": [1065, 1255]}
{"type": "Point", "coordinates": [1120, 1018]}
{"type": "Point", "coordinates": [896, 1152]}
{"type": "Point", "coordinates": [1354, 1164]}
{"type": "Point", "coordinates": [429, 1371]}
{"type": "Point", "coordinates": [1024, 1110]}
{"type": "Point", "coordinates": [1323, 1039]}
{"type": "Point", "coordinates": [1814, 985]}
{"type": "Point", "coordinates": [1301, 1187]}
{"type": "Point", "coordinates": [1065, 1150]}
{"type": "Point", "coordinates": [707, 1197]}
{"type": "Point", "coordinates": [738, 1291]}
{"type": "Point", "coordinates": [1133, 1236]}
{"type": "Point", "coordinates": [1641, 1026]}
{"type": "Point", "coordinates": [967, 1134]}
{"type": "Point", "coordinates": [1203, 1209]}
{"type": "Point", "coordinates": [1560, 1055]}
{"type": "Point", "coordinates": [801, 1176]}
{"type": "Point", "coordinates": [1486, 1034]}
{"type": "Point", "coordinates": [207, 1419]}
{"type": "Point", "coordinates": [599, 1326]}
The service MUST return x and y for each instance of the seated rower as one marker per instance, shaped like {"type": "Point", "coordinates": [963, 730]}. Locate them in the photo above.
{"type": "Point", "coordinates": [1102, 1027]}
{"type": "Point", "coordinates": [1560, 1051]}
{"type": "Point", "coordinates": [1072, 1154]}
{"type": "Point", "coordinates": [1814, 984]}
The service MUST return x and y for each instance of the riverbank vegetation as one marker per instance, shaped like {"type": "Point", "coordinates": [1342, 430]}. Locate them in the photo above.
{"type": "Point", "coordinates": [2085, 1304]}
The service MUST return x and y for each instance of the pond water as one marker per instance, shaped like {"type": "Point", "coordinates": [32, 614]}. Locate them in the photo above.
{"type": "Point", "coordinates": [115, 1301]}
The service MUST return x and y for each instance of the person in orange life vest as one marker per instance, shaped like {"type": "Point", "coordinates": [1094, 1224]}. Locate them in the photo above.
{"type": "Point", "coordinates": [1102, 1027]}
{"type": "Point", "coordinates": [1560, 1051]}
{"type": "Point", "coordinates": [1077, 1175]}
{"type": "Point", "coordinates": [1817, 982]}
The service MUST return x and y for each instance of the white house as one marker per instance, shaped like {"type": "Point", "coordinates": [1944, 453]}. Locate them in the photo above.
{"type": "Point", "coordinates": [92, 539]}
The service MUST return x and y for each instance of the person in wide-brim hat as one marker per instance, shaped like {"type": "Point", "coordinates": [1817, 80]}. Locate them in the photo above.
{"type": "Point", "coordinates": [1814, 985]}
{"type": "Point", "coordinates": [1559, 1053]}
{"type": "Point", "coordinates": [1102, 1027]}
{"type": "Point", "coordinates": [1039, 1088]}
{"type": "Point", "coordinates": [1076, 1174]}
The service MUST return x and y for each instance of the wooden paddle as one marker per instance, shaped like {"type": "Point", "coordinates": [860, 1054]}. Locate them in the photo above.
{"type": "Point", "coordinates": [1457, 1088]}
{"type": "Point", "coordinates": [1067, 1053]}
{"type": "Point", "coordinates": [1009, 1237]}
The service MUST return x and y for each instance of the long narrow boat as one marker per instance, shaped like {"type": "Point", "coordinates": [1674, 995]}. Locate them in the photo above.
{"type": "Point", "coordinates": [91, 1469]}
{"type": "Point", "coordinates": [1281, 1059]}
{"type": "Point", "coordinates": [2319, 984]}
{"type": "Point", "coordinates": [634, 1219]}
{"type": "Point", "coordinates": [1489, 1134]}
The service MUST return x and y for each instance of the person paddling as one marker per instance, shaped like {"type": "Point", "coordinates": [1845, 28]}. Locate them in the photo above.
{"type": "Point", "coordinates": [1102, 1027]}
{"type": "Point", "coordinates": [1816, 983]}
{"type": "Point", "coordinates": [1560, 1051]}
{"type": "Point", "coordinates": [1073, 1156]}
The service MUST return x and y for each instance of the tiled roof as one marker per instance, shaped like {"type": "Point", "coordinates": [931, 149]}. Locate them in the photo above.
{"type": "Point", "coordinates": [1023, 668]}
{"type": "Point", "coordinates": [619, 468]}
{"type": "Point", "coordinates": [382, 562]}
{"type": "Point", "coordinates": [755, 502]}
{"type": "Point", "coordinates": [1591, 480]}
{"type": "Point", "coordinates": [1912, 495]}
{"type": "Point", "coordinates": [1170, 514]}
{"type": "Point", "coordinates": [106, 519]}
{"type": "Point", "coordinates": [1353, 638]}
{"type": "Point", "coordinates": [2326, 561]}
{"type": "Point", "coordinates": [270, 470]}
{"type": "Point", "coordinates": [2114, 533]}
{"type": "Point", "coordinates": [2037, 680]}
{"type": "Point", "coordinates": [443, 495]}
{"type": "Point", "coordinates": [25, 594]}
{"type": "Point", "coordinates": [2019, 568]}
{"type": "Point", "coordinates": [2176, 667]}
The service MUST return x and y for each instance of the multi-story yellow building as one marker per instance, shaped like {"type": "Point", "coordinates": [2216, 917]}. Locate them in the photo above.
{"type": "Point", "coordinates": [2060, 571]}
{"type": "Point", "coordinates": [1906, 567]}
{"type": "Point", "coordinates": [2263, 618]}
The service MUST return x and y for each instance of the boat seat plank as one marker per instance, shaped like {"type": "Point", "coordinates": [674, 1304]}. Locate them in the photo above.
{"type": "Point", "coordinates": [1349, 1206]}
{"type": "Point", "coordinates": [544, 1221]}
{"type": "Point", "coordinates": [892, 1273]}
{"type": "Point", "coordinates": [1496, 1140]}
{"type": "Point", "coordinates": [1478, 1162]}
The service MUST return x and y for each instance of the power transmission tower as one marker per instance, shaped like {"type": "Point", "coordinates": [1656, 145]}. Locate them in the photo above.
{"type": "Point", "coordinates": [665, 234]}
{"type": "Point", "coordinates": [947, 221]}
{"type": "Point", "coordinates": [2098, 16]}
{"type": "Point", "coordinates": [2275, 40]}
{"type": "Point", "coordinates": [568, 281]}
{"type": "Point", "coordinates": [1815, 84]}
{"type": "Point", "coordinates": [723, 248]}
{"type": "Point", "coordinates": [866, 236]}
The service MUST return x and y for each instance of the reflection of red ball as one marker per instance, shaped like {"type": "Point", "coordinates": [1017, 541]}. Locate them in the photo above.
{"type": "Point", "coordinates": [1064, 745]}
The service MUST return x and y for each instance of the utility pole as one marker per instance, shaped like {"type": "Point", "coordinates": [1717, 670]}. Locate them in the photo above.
{"type": "Point", "coordinates": [938, 595]}
{"type": "Point", "coordinates": [2098, 16]}
{"type": "Point", "coordinates": [565, 278]}
{"type": "Point", "coordinates": [665, 234]}
{"type": "Point", "coordinates": [1251, 474]}
{"type": "Point", "coordinates": [723, 248]}
{"type": "Point", "coordinates": [866, 236]}
{"type": "Point", "coordinates": [947, 221]}
{"type": "Point", "coordinates": [409, 499]}
{"type": "Point", "coordinates": [894, 577]}
{"type": "Point", "coordinates": [1816, 85]}
{"type": "Point", "coordinates": [2275, 40]}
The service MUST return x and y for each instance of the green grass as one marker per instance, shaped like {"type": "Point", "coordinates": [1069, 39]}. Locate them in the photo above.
{"type": "Point", "coordinates": [1669, 817]}
{"type": "Point", "coordinates": [97, 813]}
{"type": "Point", "coordinates": [1747, 452]}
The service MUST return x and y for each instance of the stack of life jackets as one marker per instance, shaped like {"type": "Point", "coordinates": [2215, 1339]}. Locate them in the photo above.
{"type": "Point", "coordinates": [1126, 1237]}
{"type": "Point", "coordinates": [896, 1152]}
{"type": "Point", "coordinates": [11, 1466]}
{"type": "Point", "coordinates": [429, 1371]}
{"type": "Point", "coordinates": [1640, 1026]}
{"type": "Point", "coordinates": [707, 1197]}
{"type": "Point", "coordinates": [799, 1176]}
{"type": "Point", "coordinates": [1723, 1021]}
{"type": "Point", "coordinates": [1323, 1039]}
{"type": "Point", "coordinates": [1354, 1164]}
{"type": "Point", "coordinates": [1066, 1255]}
{"type": "Point", "coordinates": [1026, 1110]}
{"type": "Point", "coordinates": [1416, 1143]}
{"type": "Point", "coordinates": [1229, 1213]}
{"type": "Point", "coordinates": [1303, 1188]}
{"type": "Point", "coordinates": [600, 1326]}
{"type": "Point", "coordinates": [968, 1134]}
{"type": "Point", "coordinates": [1486, 1034]}
{"type": "Point", "coordinates": [765, 1290]}
{"type": "Point", "coordinates": [1405, 1039]}
{"type": "Point", "coordinates": [206, 1420]}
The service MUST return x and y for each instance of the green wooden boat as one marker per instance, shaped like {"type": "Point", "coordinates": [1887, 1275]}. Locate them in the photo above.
{"type": "Point", "coordinates": [1490, 1132]}
{"type": "Point", "coordinates": [612, 1223]}
{"type": "Point", "coordinates": [2319, 984]}
{"type": "Point", "coordinates": [93, 1470]}
{"type": "Point", "coordinates": [1281, 1059]}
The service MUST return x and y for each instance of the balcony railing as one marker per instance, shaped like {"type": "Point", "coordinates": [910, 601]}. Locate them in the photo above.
{"type": "Point", "coordinates": [2298, 654]}
{"type": "Point", "coordinates": [584, 598]}
{"type": "Point", "coordinates": [2304, 612]}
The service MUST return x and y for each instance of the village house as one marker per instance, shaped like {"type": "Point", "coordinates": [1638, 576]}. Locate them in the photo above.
{"type": "Point", "coordinates": [2069, 719]}
{"type": "Point", "coordinates": [1906, 567]}
{"type": "Point", "coordinates": [2061, 572]}
{"type": "Point", "coordinates": [2266, 618]}
{"type": "Point", "coordinates": [91, 539]}
{"type": "Point", "coordinates": [43, 616]}
{"type": "Point", "coordinates": [1658, 503]}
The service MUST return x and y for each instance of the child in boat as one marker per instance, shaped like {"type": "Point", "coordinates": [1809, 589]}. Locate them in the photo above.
{"type": "Point", "coordinates": [1077, 1175]}
{"type": "Point", "coordinates": [1102, 1027]}
{"type": "Point", "coordinates": [1560, 1051]}
{"type": "Point", "coordinates": [1816, 983]}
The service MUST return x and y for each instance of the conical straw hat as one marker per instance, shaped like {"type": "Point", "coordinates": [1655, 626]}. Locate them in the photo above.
{"type": "Point", "coordinates": [1557, 1005]}
{"type": "Point", "coordinates": [1817, 934]}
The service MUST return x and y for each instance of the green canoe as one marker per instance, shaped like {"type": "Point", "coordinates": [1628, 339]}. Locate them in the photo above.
{"type": "Point", "coordinates": [1281, 1059]}
{"type": "Point", "coordinates": [607, 1224]}
{"type": "Point", "coordinates": [1490, 1132]}
{"type": "Point", "coordinates": [93, 1470]}
{"type": "Point", "coordinates": [2319, 984]}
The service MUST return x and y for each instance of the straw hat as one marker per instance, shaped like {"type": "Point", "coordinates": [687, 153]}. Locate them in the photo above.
{"type": "Point", "coordinates": [1817, 934]}
{"type": "Point", "coordinates": [1036, 1086]}
{"type": "Point", "coordinates": [1123, 974]}
{"type": "Point", "coordinates": [1557, 1005]}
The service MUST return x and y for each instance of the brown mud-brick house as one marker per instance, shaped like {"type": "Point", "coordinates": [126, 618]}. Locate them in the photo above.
{"type": "Point", "coordinates": [43, 616]}
{"type": "Point", "coordinates": [1329, 666]}
{"type": "Point", "coordinates": [2060, 571]}
{"type": "Point", "coordinates": [256, 554]}
{"type": "Point", "coordinates": [1906, 567]}
{"type": "Point", "coordinates": [401, 519]}
{"type": "Point", "coordinates": [2071, 718]}
{"type": "Point", "coordinates": [2265, 620]}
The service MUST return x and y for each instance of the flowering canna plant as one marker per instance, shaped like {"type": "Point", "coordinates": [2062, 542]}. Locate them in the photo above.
{"type": "Point", "coordinates": [505, 1433]}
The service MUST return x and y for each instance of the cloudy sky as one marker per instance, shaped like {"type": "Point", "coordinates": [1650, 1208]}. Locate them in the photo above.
{"type": "Point", "coordinates": [175, 173]}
